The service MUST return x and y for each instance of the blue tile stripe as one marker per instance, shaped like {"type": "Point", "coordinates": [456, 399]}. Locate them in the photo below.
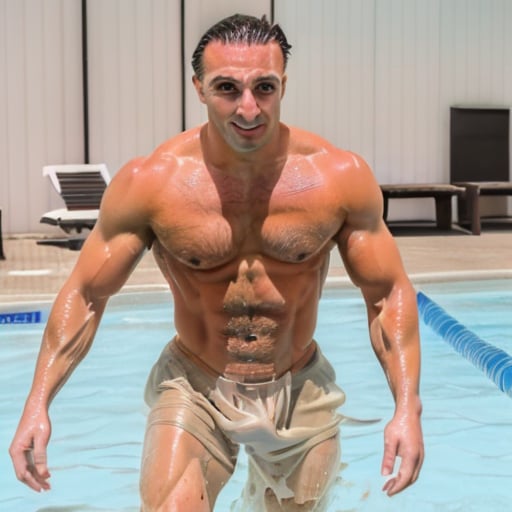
{"type": "Point", "coordinates": [23, 317]}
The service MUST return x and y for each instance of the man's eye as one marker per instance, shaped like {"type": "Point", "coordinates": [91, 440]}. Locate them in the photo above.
{"type": "Point", "coordinates": [266, 87]}
{"type": "Point", "coordinates": [226, 87]}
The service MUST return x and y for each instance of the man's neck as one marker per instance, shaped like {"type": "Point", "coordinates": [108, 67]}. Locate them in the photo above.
{"type": "Point", "coordinates": [219, 154]}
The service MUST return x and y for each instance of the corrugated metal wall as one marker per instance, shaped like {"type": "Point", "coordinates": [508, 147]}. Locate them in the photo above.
{"type": "Point", "coordinates": [332, 69]}
{"type": "Point", "coordinates": [40, 103]}
{"type": "Point", "coordinates": [379, 77]}
{"type": "Point", "coordinates": [134, 77]}
{"type": "Point", "coordinates": [374, 76]}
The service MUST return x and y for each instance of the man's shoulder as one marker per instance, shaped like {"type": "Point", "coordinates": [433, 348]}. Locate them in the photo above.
{"type": "Point", "coordinates": [309, 144]}
{"type": "Point", "coordinates": [165, 158]}
{"type": "Point", "coordinates": [183, 145]}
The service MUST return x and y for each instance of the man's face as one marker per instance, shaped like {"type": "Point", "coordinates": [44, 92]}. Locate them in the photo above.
{"type": "Point", "coordinates": [242, 87]}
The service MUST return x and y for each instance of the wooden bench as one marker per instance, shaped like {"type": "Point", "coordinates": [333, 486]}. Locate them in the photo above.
{"type": "Point", "coordinates": [442, 194]}
{"type": "Point", "coordinates": [469, 202]}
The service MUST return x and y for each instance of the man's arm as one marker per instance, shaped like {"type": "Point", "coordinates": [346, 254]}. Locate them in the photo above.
{"type": "Point", "coordinates": [106, 260]}
{"type": "Point", "coordinates": [374, 264]}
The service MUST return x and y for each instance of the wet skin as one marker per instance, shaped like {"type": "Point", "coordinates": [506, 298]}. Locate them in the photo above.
{"type": "Point", "coordinates": [241, 215]}
{"type": "Point", "coordinates": [247, 279]}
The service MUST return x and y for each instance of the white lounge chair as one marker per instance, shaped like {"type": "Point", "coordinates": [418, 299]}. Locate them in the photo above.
{"type": "Point", "coordinates": [81, 187]}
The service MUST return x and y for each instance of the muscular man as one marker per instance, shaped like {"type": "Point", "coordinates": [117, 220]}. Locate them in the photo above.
{"type": "Point", "coordinates": [241, 214]}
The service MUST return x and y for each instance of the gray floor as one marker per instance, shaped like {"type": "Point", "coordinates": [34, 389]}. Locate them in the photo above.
{"type": "Point", "coordinates": [33, 272]}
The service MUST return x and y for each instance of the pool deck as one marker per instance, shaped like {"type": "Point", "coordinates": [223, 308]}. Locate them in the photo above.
{"type": "Point", "coordinates": [35, 272]}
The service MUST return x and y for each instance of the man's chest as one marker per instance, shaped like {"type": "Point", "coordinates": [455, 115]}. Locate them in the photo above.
{"type": "Point", "coordinates": [207, 234]}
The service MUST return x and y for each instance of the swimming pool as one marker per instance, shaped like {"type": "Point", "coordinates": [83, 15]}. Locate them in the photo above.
{"type": "Point", "coordinates": [99, 416]}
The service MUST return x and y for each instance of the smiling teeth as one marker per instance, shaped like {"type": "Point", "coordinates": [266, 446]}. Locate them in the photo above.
{"type": "Point", "coordinates": [246, 127]}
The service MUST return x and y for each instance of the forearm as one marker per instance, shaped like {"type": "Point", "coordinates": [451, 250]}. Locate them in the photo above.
{"type": "Point", "coordinates": [101, 270]}
{"type": "Point", "coordinates": [67, 338]}
{"type": "Point", "coordinates": [395, 339]}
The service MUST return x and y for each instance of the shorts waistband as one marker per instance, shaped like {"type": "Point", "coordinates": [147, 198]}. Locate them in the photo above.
{"type": "Point", "coordinates": [308, 358]}
{"type": "Point", "coordinates": [197, 361]}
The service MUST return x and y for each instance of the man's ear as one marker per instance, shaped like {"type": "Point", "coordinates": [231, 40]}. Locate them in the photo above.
{"type": "Point", "coordinates": [283, 85]}
{"type": "Point", "coordinates": [199, 87]}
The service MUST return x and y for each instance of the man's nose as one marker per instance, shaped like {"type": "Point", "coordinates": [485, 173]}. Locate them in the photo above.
{"type": "Point", "coordinates": [248, 107]}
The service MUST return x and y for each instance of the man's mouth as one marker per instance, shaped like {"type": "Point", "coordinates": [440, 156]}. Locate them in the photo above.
{"type": "Point", "coordinates": [247, 129]}
{"type": "Point", "coordinates": [242, 127]}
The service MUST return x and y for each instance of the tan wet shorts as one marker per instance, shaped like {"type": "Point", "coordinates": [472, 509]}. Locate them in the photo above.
{"type": "Point", "coordinates": [278, 421]}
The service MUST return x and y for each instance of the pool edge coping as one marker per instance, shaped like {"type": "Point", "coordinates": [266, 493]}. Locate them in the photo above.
{"type": "Point", "coordinates": [332, 281]}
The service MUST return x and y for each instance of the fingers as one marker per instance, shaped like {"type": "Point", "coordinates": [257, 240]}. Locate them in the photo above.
{"type": "Point", "coordinates": [408, 473]}
{"type": "Point", "coordinates": [388, 460]}
{"type": "Point", "coordinates": [403, 440]}
{"type": "Point", "coordinates": [30, 465]}
{"type": "Point", "coordinates": [37, 468]}
{"type": "Point", "coordinates": [27, 471]}
{"type": "Point", "coordinates": [40, 464]}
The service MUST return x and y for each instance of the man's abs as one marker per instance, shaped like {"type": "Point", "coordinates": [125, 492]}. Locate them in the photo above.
{"type": "Point", "coordinates": [253, 318]}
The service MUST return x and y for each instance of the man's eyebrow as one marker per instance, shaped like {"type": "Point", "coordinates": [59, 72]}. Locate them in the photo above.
{"type": "Point", "coordinates": [222, 78]}
{"type": "Point", "coordinates": [268, 78]}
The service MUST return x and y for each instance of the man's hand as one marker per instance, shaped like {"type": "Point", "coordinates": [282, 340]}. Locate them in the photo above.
{"type": "Point", "coordinates": [28, 450]}
{"type": "Point", "coordinates": [402, 438]}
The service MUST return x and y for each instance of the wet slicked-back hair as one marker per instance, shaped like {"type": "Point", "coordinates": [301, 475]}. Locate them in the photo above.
{"type": "Point", "coordinates": [241, 29]}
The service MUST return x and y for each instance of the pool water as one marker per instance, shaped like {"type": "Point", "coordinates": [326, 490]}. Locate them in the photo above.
{"type": "Point", "coordinates": [98, 418]}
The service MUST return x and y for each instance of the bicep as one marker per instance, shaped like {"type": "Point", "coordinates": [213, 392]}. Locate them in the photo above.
{"type": "Point", "coordinates": [371, 258]}
{"type": "Point", "coordinates": [374, 264]}
{"type": "Point", "coordinates": [117, 241]}
{"type": "Point", "coordinates": [105, 263]}
{"type": "Point", "coordinates": [367, 248]}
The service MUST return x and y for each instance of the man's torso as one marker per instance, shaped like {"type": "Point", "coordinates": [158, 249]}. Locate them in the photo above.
{"type": "Point", "coordinates": [246, 255]}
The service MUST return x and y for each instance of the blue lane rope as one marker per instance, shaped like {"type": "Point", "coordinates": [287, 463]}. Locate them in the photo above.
{"type": "Point", "coordinates": [494, 362]}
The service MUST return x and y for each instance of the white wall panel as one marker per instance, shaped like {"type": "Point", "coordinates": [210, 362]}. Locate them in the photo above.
{"type": "Point", "coordinates": [5, 174]}
{"type": "Point", "coordinates": [134, 77]}
{"type": "Point", "coordinates": [40, 103]}
{"type": "Point", "coordinates": [200, 15]}
{"type": "Point", "coordinates": [475, 61]}
{"type": "Point", "coordinates": [379, 76]}
{"type": "Point", "coordinates": [406, 91]}
{"type": "Point", "coordinates": [331, 71]}
{"type": "Point", "coordinates": [374, 76]}
{"type": "Point", "coordinates": [475, 65]}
